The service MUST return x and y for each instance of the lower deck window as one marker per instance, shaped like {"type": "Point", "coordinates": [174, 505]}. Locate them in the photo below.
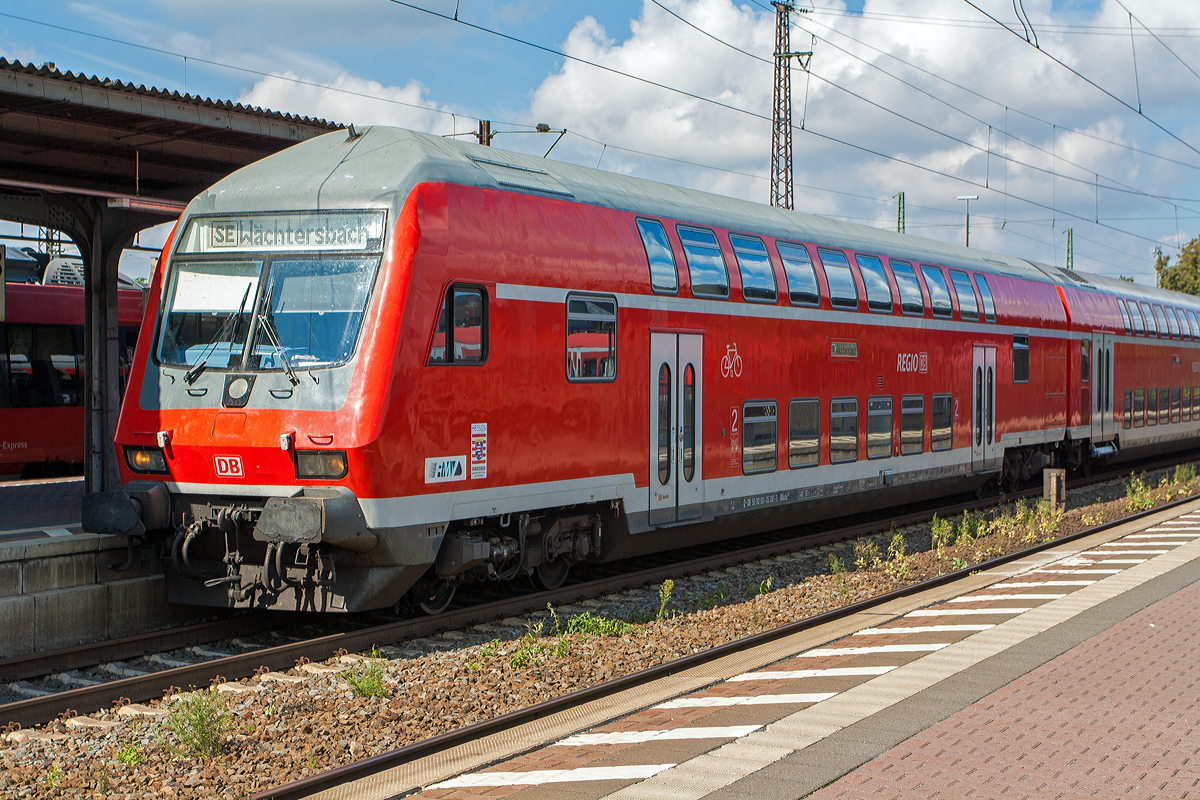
{"type": "Point", "coordinates": [1152, 407]}
{"type": "Point", "coordinates": [1196, 403]}
{"type": "Point", "coordinates": [912, 425]}
{"type": "Point", "coordinates": [804, 433]}
{"type": "Point", "coordinates": [1175, 399]}
{"type": "Point", "coordinates": [941, 421]}
{"type": "Point", "coordinates": [591, 338]}
{"type": "Point", "coordinates": [759, 437]}
{"type": "Point", "coordinates": [1164, 406]}
{"type": "Point", "coordinates": [843, 430]}
{"type": "Point", "coordinates": [42, 370]}
{"type": "Point", "coordinates": [1139, 407]}
{"type": "Point", "coordinates": [461, 335]}
{"type": "Point", "coordinates": [879, 427]}
{"type": "Point", "coordinates": [1128, 409]}
{"type": "Point", "coordinates": [1186, 406]}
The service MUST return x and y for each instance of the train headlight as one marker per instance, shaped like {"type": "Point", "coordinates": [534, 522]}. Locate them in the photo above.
{"type": "Point", "coordinates": [146, 459]}
{"type": "Point", "coordinates": [321, 464]}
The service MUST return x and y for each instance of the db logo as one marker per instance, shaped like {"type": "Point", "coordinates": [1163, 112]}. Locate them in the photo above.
{"type": "Point", "coordinates": [229, 466]}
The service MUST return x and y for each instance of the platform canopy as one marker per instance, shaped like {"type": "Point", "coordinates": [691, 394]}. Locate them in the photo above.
{"type": "Point", "coordinates": [101, 160]}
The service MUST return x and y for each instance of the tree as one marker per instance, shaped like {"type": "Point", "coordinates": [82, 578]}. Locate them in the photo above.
{"type": "Point", "coordinates": [1184, 275]}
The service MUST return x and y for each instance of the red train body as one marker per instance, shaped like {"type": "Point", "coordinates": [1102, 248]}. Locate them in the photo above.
{"type": "Point", "coordinates": [414, 362]}
{"type": "Point", "coordinates": [41, 375]}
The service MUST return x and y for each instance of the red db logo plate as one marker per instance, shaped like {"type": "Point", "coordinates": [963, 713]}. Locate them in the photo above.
{"type": "Point", "coordinates": [229, 466]}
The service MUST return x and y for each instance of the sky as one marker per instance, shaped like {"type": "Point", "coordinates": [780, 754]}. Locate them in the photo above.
{"type": "Point", "coordinates": [1057, 114]}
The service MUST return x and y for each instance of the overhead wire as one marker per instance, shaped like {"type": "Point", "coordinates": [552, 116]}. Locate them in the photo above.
{"type": "Point", "coordinates": [1132, 16]}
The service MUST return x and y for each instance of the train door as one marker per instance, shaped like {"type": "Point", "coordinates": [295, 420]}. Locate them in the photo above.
{"type": "Point", "coordinates": [983, 411]}
{"type": "Point", "coordinates": [1103, 427]}
{"type": "Point", "coordinates": [676, 406]}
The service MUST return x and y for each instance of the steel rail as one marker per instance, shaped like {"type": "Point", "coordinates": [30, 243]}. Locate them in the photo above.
{"type": "Point", "coordinates": [87, 699]}
{"type": "Point", "coordinates": [444, 741]}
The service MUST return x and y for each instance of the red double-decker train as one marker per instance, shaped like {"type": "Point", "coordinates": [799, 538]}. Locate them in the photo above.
{"type": "Point", "coordinates": [389, 363]}
{"type": "Point", "coordinates": [41, 364]}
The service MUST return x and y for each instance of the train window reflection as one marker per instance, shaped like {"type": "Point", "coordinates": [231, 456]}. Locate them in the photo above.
{"type": "Point", "coordinates": [1139, 407]}
{"type": "Point", "coordinates": [804, 433]}
{"type": "Point", "coordinates": [941, 420]}
{"type": "Point", "coordinates": [879, 293]}
{"type": "Point", "coordinates": [1020, 359]}
{"type": "Point", "coordinates": [939, 292]}
{"type": "Point", "coordinates": [1152, 407]}
{"type": "Point", "coordinates": [1128, 410]}
{"type": "Point", "coordinates": [664, 424]}
{"type": "Point", "coordinates": [967, 307]}
{"type": "Point", "coordinates": [591, 338]}
{"type": "Point", "coordinates": [1139, 324]}
{"type": "Point", "coordinates": [758, 276]}
{"type": "Point", "coordinates": [801, 279]}
{"type": "Point", "coordinates": [912, 425]}
{"type": "Point", "coordinates": [1151, 324]}
{"type": "Point", "coordinates": [664, 278]}
{"type": "Point", "coordinates": [43, 370]}
{"type": "Point", "coordinates": [843, 430]}
{"type": "Point", "coordinates": [1124, 316]}
{"type": "Point", "coordinates": [911, 301]}
{"type": "Point", "coordinates": [759, 437]}
{"type": "Point", "coordinates": [461, 335]}
{"type": "Point", "coordinates": [1186, 407]}
{"type": "Point", "coordinates": [689, 422]}
{"type": "Point", "coordinates": [1164, 406]}
{"type": "Point", "coordinates": [208, 312]}
{"type": "Point", "coordinates": [1174, 404]}
{"type": "Point", "coordinates": [1172, 323]}
{"type": "Point", "coordinates": [842, 291]}
{"type": "Point", "coordinates": [985, 293]}
{"type": "Point", "coordinates": [706, 265]}
{"type": "Point", "coordinates": [879, 427]}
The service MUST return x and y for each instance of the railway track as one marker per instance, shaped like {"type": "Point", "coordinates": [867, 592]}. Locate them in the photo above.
{"type": "Point", "coordinates": [37, 710]}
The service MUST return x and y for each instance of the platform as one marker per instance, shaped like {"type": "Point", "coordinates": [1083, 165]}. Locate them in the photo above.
{"type": "Point", "coordinates": [1068, 673]}
{"type": "Point", "coordinates": [40, 509]}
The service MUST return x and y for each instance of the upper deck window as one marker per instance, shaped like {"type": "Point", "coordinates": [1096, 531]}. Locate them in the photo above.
{"type": "Point", "coordinates": [843, 293]}
{"type": "Point", "coordinates": [879, 292]}
{"type": "Point", "coordinates": [801, 279]}
{"type": "Point", "coordinates": [1139, 323]}
{"type": "Point", "coordinates": [968, 309]}
{"type": "Point", "coordinates": [1172, 322]}
{"type": "Point", "coordinates": [706, 265]}
{"type": "Point", "coordinates": [1125, 316]}
{"type": "Point", "coordinates": [758, 276]}
{"type": "Point", "coordinates": [911, 301]}
{"type": "Point", "coordinates": [1151, 325]}
{"type": "Point", "coordinates": [1194, 323]}
{"type": "Point", "coordinates": [1161, 318]}
{"type": "Point", "coordinates": [664, 277]}
{"type": "Point", "coordinates": [985, 292]}
{"type": "Point", "coordinates": [591, 338]}
{"type": "Point", "coordinates": [939, 292]}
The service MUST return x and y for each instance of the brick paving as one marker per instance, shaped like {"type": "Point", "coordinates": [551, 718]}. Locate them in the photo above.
{"type": "Point", "coordinates": [1116, 715]}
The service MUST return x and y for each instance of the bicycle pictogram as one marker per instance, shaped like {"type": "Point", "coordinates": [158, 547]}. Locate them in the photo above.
{"type": "Point", "coordinates": [731, 362]}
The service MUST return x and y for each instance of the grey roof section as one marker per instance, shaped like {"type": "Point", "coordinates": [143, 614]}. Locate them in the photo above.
{"type": "Point", "coordinates": [382, 165]}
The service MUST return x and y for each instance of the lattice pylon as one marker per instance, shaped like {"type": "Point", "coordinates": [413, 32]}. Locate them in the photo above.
{"type": "Point", "coordinates": [781, 126]}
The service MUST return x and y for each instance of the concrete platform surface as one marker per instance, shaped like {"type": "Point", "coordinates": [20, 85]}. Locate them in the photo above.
{"type": "Point", "coordinates": [1071, 673]}
{"type": "Point", "coordinates": [40, 509]}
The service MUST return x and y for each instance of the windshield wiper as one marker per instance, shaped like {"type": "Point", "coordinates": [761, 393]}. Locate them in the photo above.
{"type": "Point", "coordinates": [268, 325]}
{"type": "Point", "coordinates": [201, 364]}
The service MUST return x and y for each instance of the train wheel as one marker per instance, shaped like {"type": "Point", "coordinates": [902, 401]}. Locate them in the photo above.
{"type": "Point", "coordinates": [433, 596]}
{"type": "Point", "coordinates": [551, 575]}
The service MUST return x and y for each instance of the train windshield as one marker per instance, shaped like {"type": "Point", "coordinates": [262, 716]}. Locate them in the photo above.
{"type": "Point", "coordinates": [208, 313]}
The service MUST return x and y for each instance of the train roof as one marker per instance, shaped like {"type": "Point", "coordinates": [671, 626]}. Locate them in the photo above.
{"type": "Point", "coordinates": [380, 166]}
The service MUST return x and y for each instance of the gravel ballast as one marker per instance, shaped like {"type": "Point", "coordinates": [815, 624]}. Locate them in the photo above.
{"type": "Point", "coordinates": [283, 727]}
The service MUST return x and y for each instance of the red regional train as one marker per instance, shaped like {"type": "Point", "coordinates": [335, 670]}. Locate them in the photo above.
{"type": "Point", "coordinates": [388, 363]}
{"type": "Point", "coordinates": [41, 364]}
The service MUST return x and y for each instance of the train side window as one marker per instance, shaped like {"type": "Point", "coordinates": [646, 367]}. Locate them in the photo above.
{"type": "Point", "coordinates": [1161, 318]}
{"type": "Point", "coordinates": [843, 430]}
{"type": "Point", "coordinates": [1164, 406]}
{"type": "Point", "coordinates": [689, 422]}
{"type": "Point", "coordinates": [43, 370]}
{"type": "Point", "coordinates": [1085, 360]}
{"type": "Point", "coordinates": [1124, 316]}
{"type": "Point", "coordinates": [461, 335]}
{"type": "Point", "coordinates": [985, 292]}
{"type": "Point", "coordinates": [1175, 404]}
{"type": "Point", "coordinates": [1128, 411]}
{"type": "Point", "coordinates": [879, 427]}
{"type": "Point", "coordinates": [804, 433]}
{"type": "Point", "coordinates": [801, 279]}
{"type": "Point", "coordinates": [664, 277]}
{"type": "Point", "coordinates": [1185, 328]}
{"type": "Point", "coordinates": [706, 264]}
{"type": "Point", "coordinates": [591, 339]}
{"type": "Point", "coordinates": [1172, 322]}
{"type": "Point", "coordinates": [912, 425]}
{"type": "Point", "coordinates": [1186, 407]}
{"type": "Point", "coordinates": [968, 309]}
{"type": "Point", "coordinates": [1020, 359]}
{"type": "Point", "coordinates": [1152, 407]}
{"type": "Point", "coordinates": [1196, 403]}
{"type": "Point", "coordinates": [1139, 324]}
{"type": "Point", "coordinates": [1139, 407]}
{"type": "Point", "coordinates": [666, 450]}
{"type": "Point", "coordinates": [939, 292]}
{"type": "Point", "coordinates": [941, 422]}
{"type": "Point", "coordinates": [758, 276]}
{"type": "Point", "coordinates": [1191, 315]}
{"type": "Point", "coordinates": [759, 437]}
{"type": "Point", "coordinates": [911, 301]}
{"type": "Point", "coordinates": [843, 293]}
{"type": "Point", "coordinates": [879, 291]}
{"type": "Point", "coordinates": [1151, 325]}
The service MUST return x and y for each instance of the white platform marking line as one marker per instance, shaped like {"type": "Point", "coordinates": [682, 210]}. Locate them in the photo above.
{"type": "Point", "coordinates": [987, 598]}
{"type": "Point", "coordinates": [727, 764]}
{"type": "Point", "coordinates": [747, 700]}
{"type": "Point", "coordinates": [800, 674]}
{"type": "Point", "coordinates": [964, 612]}
{"type": "Point", "coordinates": [1103, 561]}
{"type": "Point", "coordinates": [1160, 535]}
{"type": "Point", "coordinates": [541, 776]}
{"type": "Point", "coordinates": [1127, 543]}
{"type": "Point", "coordinates": [1131, 553]}
{"type": "Point", "coordinates": [640, 737]}
{"type": "Point", "coordinates": [821, 652]}
{"type": "Point", "coordinates": [923, 629]}
{"type": "Point", "coordinates": [1085, 571]}
{"type": "Point", "coordinates": [1026, 584]}
{"type": "Point", "coordinates": [57, 532]}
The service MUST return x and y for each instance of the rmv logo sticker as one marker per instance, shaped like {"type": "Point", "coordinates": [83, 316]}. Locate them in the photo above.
{"type": "Point", "coordinates": [229, 466]}
{"type": "Point", "coordinates": [448, 468]}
